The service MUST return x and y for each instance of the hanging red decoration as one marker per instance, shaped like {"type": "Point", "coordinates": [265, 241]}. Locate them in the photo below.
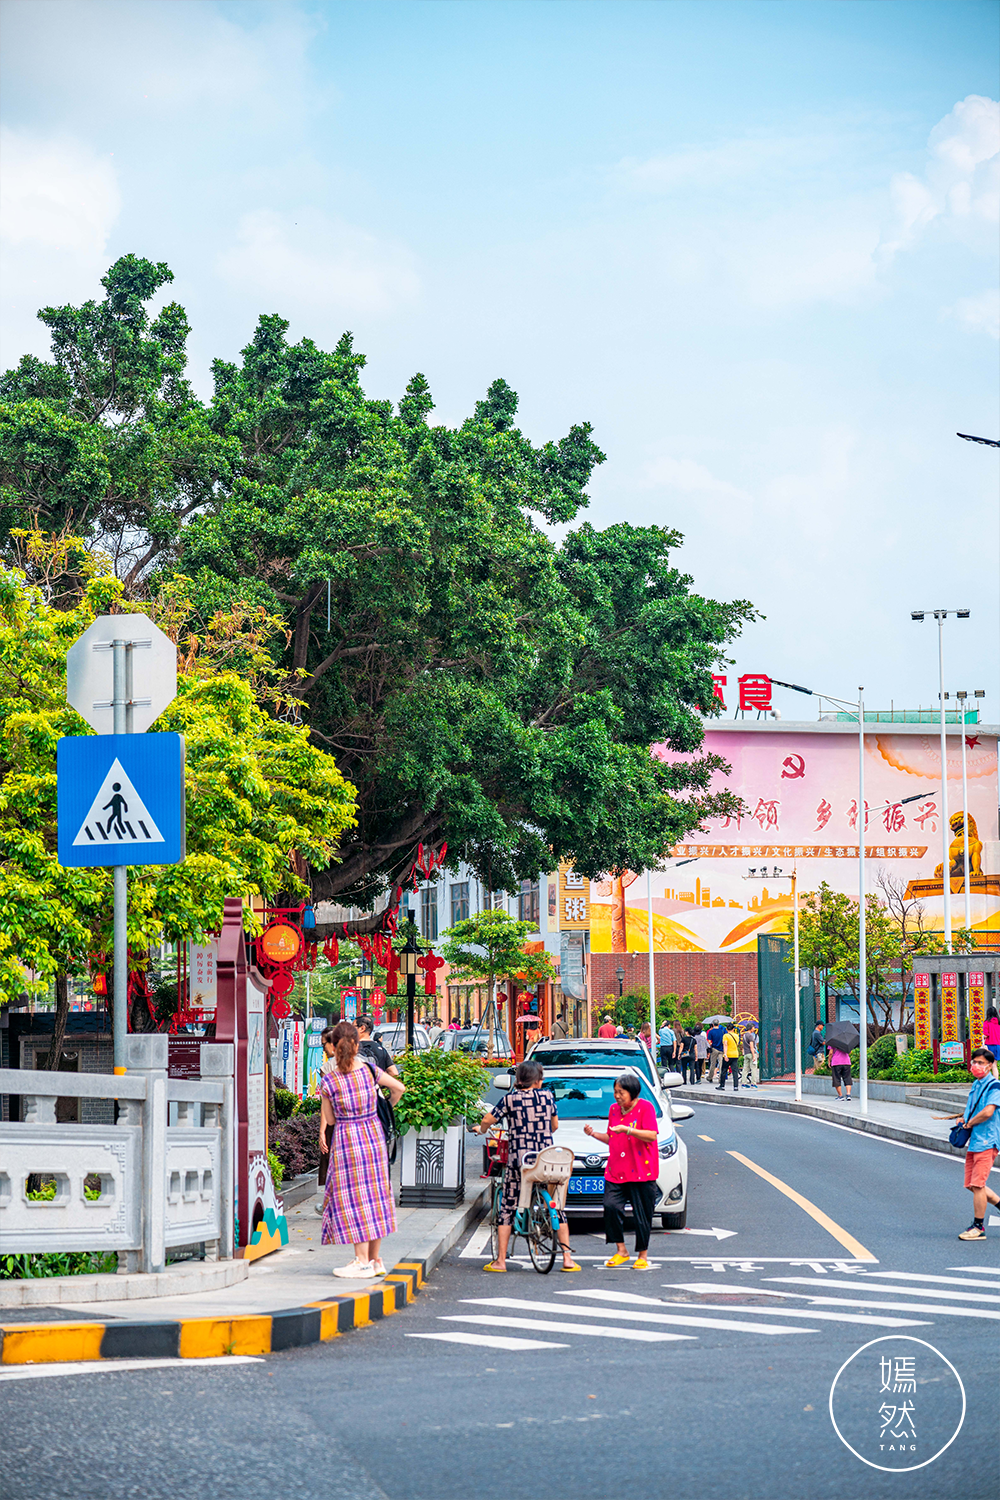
{"type": "Point", "coordinates": [331, 950]}
{"type": "Point", "coordinates": [430, 963]}
{"type": "Point", "coordinates": [392, 972]}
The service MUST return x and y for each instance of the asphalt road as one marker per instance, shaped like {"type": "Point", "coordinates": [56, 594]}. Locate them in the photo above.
{"type": "Point", "coordinates": [709, 1376]}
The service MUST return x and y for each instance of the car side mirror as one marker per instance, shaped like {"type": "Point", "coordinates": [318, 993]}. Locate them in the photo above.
{"type": "Point", "coordinates": [671, 1080]}
{"type": "Point", "coordinates": [501, 1080]}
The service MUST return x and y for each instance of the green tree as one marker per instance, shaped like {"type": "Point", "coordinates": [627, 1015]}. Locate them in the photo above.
{"type": "Point", "coordinates": [490, 946]}
{"type": "Point", "coordinates": [478, 683]}
{"type": "Point", "coordinates": [828, 942]}
{"type": "Point", "coordinates": [257, 792]}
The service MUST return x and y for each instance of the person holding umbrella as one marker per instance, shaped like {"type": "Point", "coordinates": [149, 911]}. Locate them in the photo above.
{"type": "Point", "coordinates": [841, 1037]}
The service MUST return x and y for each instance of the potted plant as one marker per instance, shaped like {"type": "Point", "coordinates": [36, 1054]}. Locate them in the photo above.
{"type": "Point", "coordinates": [443, 1089]}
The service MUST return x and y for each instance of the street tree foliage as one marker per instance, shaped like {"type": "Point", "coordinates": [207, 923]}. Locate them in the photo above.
{"type": "Point", "coordinates": [894, 937]}
{"type": "Point", "coordinates": [490, 946]}
{"type": "Point", "coordinates": [478, 683]}
{"type": "Point", "coordinates": [257, 789]}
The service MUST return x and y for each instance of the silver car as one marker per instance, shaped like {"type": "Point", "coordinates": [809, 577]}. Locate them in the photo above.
{"type": "Point", "coordinates": [393, 1037]}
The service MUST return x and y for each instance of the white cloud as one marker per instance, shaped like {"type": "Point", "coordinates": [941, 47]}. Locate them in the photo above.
{"type": "Point", "coordinates": [59, 200]}
{"type": "Point", "coordinates": [960, 186]}
{"type": "Point", "coordinates": [689, 477]}
{"type": "Point", "coordinates": [981, 312]}
{"type": "Point", "coordinates": [311, 262]}
{"type": "Point", "coordinates": [58, 194]}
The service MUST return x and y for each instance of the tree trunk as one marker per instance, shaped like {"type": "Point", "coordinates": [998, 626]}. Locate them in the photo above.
{"type": "Point", "coordinates": [59, 1029]}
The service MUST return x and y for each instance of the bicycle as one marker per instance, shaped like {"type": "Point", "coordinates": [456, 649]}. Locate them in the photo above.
{"type": "Point", "coordinates": [536, 1219]}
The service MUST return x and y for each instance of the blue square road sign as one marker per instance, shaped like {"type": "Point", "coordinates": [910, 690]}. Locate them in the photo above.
{"type": "Point", "coordinates": [120, 799]}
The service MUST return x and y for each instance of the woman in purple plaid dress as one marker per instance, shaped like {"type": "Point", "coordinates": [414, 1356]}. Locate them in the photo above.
{"type": "Point", "coordinates": [358, 1208]}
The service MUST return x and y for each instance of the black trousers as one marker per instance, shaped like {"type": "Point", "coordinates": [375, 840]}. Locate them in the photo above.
{"type": "Point", "coordinates": [642, 1196]}
{"type": "Point", "coordinates": [730, 1065]}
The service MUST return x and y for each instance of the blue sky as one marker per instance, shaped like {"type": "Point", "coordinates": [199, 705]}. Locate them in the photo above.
{"type": "Point", "coordinates": [755, 244]}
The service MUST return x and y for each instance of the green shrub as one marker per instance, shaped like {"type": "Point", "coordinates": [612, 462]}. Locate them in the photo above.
{"type": "Point", "coordinates": [76, 1263]}
{"type": "Point", "coordinates": [284, 1103]}
{"type": "Point", "coordinates": [441, 1087]}
{"type": "Point", "coordinates": [277, 1169]}
{"type": "Point", "coordinates": [310, 1105]}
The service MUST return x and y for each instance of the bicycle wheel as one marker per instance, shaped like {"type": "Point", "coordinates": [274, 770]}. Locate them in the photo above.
{"type": "Point", "coordinates": [541, 1236]}
{"type": "Point", "coordinates": [495, 1219]}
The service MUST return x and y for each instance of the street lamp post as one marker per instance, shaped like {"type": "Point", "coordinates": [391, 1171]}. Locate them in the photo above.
{"type": "Point", "coordinates": [620, 976]}
{"type": "Point", "coordinates": [980, 693]}
{"type": "Point", "coordinates": [859, 709]}
{"type": "Point", "coordinates": [941, 615]}
{"type": "Point", "coordinates": [408, 956]}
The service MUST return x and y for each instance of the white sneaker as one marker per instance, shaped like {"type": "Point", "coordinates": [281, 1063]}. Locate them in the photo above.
{"type": "Point", "coordinates": [358, 1270]}
{"type": "Point", "coordinates": [378, 1267]}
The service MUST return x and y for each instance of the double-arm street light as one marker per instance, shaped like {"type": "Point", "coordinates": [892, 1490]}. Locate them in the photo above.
{"type": "Point", "coordinates": [941, 615]}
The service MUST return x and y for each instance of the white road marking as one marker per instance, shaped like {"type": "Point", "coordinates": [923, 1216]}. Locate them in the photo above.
{"type": "Point", "coordinates": [903, 1307]}
{"type": "Point", "coordinates": [718, 1234]}
{"type": "Point", "coordinates": [975, 1270]}
{"type": "Point", "coordinates": [864, 1283]}
{"type": "Point", "coordinates": [116, 1366]}
{"type": "Point", "coordinates": [550, 1326]}
{"type": "Point", "coordinates": [914, 1276]}
{"type": "Point", "coordinates": [479, 1238]}
{"type": "Point", "coordinates": [764, 1312]}
{"type": "Point", "coordinates": [836, 1125]}
{"type": "Point", "coordinates": [523, 1304]}
{"type": "Point", "coordinates": [487, 1340]}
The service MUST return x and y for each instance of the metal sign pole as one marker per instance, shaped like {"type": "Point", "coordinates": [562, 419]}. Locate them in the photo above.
{"type": "Point", "coordinates": [119, 703]}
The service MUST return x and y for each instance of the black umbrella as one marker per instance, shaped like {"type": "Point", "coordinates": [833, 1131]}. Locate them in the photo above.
{"type": "Point", "coordinates": [843, 1035]}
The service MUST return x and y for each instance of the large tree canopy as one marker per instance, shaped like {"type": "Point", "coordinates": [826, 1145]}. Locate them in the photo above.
{"type": "Point", "coordinates": [477, 682]}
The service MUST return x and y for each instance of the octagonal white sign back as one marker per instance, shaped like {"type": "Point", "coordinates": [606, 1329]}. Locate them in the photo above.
{"type": "Point", "coordinates": [151, 673]}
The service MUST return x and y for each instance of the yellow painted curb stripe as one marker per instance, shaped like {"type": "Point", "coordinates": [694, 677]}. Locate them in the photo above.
{"type": "Point", "coordinates": [856, 1250]}
{"type": "Point", "coordinates": [51, 1343]}
{"type": "Point", "coordinates": [411, 1265]}
{"type": "Point", "coordinates": [207, 1338]}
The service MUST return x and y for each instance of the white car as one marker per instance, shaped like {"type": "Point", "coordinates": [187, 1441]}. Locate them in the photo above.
{"type": "Point", "coordinates": [612, 1052]}
{"type": "Point", "coordinates": [583, 1096]}
{"type": "Point", "coordinates": [392, 1035]}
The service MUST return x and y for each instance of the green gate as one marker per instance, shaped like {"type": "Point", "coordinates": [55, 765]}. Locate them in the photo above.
{"type": "Point", "coordinates": [776, 992]}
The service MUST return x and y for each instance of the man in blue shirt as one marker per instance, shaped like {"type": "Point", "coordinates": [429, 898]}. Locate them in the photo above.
{"type": "Point", "coordinates": [982, 1114]}
{"type": "Point", "coordinates": [667, 1042]}
{"type": "Point", "coordinates": [715, 1035]}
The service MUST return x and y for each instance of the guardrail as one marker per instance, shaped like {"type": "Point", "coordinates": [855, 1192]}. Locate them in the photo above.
{"type": "Point", "coordinates": [160, 1185]}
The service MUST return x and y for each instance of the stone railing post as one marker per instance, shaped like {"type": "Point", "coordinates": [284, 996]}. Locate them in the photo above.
{"type": "Point", "coordinates": [218, 1062]}
{"type": "Point", "coordinates": [146, 1053]}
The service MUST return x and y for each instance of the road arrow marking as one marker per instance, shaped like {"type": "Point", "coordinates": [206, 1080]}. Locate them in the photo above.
{"type": "Point", "coordinates": [718, 1234]}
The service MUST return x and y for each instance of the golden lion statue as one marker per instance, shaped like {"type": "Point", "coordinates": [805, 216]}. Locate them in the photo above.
{"type": "Point", "coordinates": [956, 849]}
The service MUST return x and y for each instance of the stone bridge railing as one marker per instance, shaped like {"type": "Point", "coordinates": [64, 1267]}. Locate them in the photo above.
{"type": "Point", "coordinates": [161, 1184]}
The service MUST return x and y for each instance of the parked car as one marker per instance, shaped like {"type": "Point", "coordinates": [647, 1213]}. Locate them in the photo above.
{"type": "Point", "coordinates": [392, 1035]}
{"type": "Point", "coordinates": [583, 1096]}
{"type": "Point", "coordinates": [476, 1039]}
{"type": "Point", "coordinates": [612, 1052]}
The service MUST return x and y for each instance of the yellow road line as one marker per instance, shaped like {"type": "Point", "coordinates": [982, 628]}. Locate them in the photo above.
{"type": "Point", "coordinates": [855, 1250]}
{"type": "Point", "coordinates": [707, 1138]}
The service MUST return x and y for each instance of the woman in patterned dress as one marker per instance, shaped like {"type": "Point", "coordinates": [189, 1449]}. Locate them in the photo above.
{"type": "Point", "coordinates": [530, 1113]}
{"type": "Point", "coordinates": [358, 1208]}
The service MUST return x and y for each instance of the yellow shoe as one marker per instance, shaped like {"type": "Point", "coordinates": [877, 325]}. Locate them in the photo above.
{"type": "Point", "coordinates": [617, 1261]}
{"type": "Point", "coordinates": [642, 1264]}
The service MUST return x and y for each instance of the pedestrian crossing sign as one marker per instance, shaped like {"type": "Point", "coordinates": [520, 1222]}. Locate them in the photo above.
{"type": "Point", "coordinates": [121, 799]}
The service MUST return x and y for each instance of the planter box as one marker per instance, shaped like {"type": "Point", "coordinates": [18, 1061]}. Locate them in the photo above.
{"type": "Point", "coordinates": [432, 1167]}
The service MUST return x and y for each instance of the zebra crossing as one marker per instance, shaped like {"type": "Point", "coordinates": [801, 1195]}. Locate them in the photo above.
{"type": "Point", "coordinates": [796, 1306]}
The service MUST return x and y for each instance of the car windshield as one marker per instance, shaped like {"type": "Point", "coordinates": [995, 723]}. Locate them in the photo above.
{"type": "Point", "coordinates": [589, 1098]}
{"type": "Point", "coordinates": [478, 1040]}
{"type": "Point", "coordinates": [594, 1057]}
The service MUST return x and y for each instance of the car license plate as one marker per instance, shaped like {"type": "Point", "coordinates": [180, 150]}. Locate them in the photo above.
{"type": "Point", "coordinates": [586, 1185]}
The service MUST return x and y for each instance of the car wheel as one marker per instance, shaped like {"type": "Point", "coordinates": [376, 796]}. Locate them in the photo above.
{"type": "Point", "coordinates": [675, 1221]}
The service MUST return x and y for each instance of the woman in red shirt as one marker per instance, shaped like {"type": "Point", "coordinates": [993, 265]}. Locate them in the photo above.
{"type": "Point", "coordinates": [631, 1172]}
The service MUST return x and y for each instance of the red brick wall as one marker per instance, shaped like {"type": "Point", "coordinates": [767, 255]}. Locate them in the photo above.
{"type": "Point", "coordinates": [677, 973]}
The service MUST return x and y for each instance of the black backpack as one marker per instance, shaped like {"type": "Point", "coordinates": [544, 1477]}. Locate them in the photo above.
{"type": "Point", "coordinates": [386, 1113]}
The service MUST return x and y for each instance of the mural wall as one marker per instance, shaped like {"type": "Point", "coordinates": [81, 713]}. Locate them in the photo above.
{"type": "Point", "coordinates": [800, 794]}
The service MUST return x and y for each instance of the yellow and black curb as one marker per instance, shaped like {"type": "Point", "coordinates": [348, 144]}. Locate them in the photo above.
{"type": "Point", "coordinates": [201, 1338]}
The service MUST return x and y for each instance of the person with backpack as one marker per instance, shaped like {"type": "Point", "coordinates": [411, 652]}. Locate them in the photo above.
{"type": "Point", "coordinates": [731, 1058]}
{"type": "Point", "coordinates": [816, 1047]}
{"type": "Point", "coordinates": [980, 1133]}
{"type": "Point", "coordinates": [370, 1046]}
{"type": "Point", "coordinates": [358, 1207]}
